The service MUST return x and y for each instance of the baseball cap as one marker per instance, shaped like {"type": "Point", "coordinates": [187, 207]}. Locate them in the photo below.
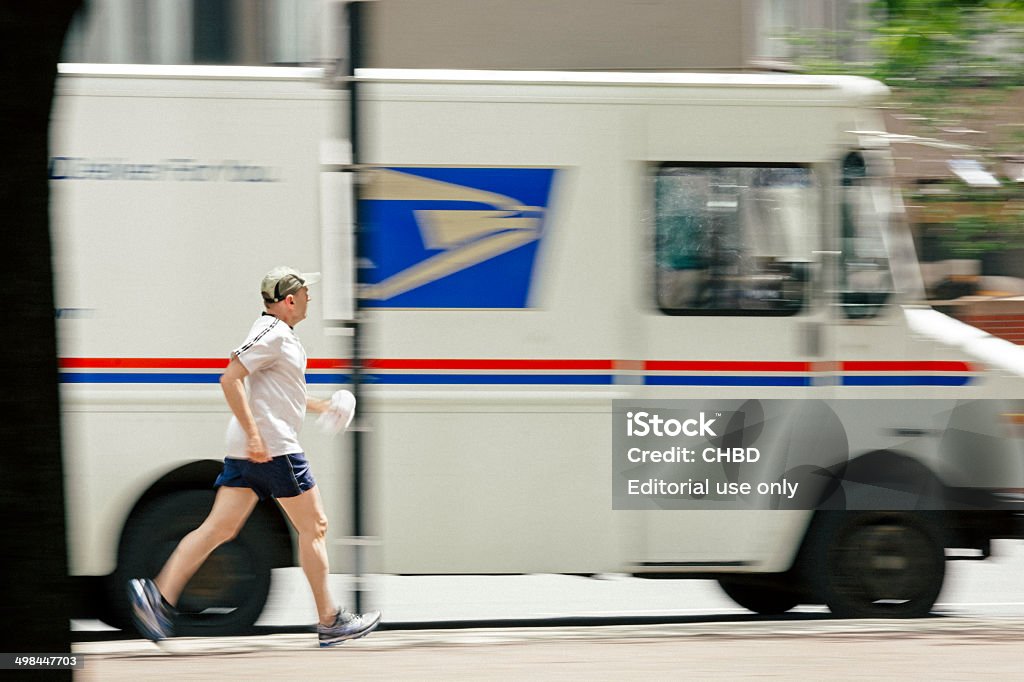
{"type": "Point", "coordinates": [284, 280]}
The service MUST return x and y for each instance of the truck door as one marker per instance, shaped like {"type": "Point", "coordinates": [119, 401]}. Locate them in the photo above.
{"type": "Point", "coordinates": [875, 270]}
{"type": "Point", "coordinates": [732, 314]}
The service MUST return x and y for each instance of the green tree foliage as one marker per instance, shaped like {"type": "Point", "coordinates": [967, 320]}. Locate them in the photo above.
{"type": "Point", "coordinates": [956, 69]}
{"type": "Point", "coordinates": [949, 42]}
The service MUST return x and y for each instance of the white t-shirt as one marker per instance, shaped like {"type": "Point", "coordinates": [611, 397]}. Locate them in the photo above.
{"type": "Point", "coordinates": [276, 362]}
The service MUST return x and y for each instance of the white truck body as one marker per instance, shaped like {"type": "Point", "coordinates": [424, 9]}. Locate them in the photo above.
{"type": "Point", "coordinates": [522, 284]}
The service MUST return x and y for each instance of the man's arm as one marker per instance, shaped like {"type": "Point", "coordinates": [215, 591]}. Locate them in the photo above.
{"type": "Point", "coordinates": [232, 382]}
{"type": "Point", "coordinates": [317, 405]}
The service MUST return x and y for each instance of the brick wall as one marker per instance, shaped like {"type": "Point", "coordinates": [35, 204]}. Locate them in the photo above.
{"type": "Point", "coordinates": [1002, 317]}
{"type": "Point", "coordinates": [1009, 327]}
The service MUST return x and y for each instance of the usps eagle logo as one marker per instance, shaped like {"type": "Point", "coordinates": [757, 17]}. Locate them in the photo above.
{"type": "Point", "coordinates": [454, 237]}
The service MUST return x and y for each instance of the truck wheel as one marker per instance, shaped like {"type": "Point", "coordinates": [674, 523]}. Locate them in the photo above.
{"type": "Point", "coordinates": [227, 594]}
{"type": "Point", "coordinates": [765, 599]}
{"type": "Point", "coordinates": [878, 564]}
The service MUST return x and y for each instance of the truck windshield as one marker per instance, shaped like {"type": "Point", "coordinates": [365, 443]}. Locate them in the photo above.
{"type": "Point", "coordinates": [734, 239]}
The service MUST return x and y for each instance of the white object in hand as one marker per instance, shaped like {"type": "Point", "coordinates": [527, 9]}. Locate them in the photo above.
{"type": "Point", "coordinates": [340, 412]}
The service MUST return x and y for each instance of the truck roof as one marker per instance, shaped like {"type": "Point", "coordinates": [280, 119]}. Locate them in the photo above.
{"type": "Point", "coordinates": [769, 86]}
{"type": "Point", "coordinates": [191, 71]}
{"type": "Point", "coordinates": [670, 78]}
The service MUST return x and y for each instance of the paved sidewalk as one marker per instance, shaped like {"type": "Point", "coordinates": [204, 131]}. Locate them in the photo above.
{"type": "Point", "coordinates": [943, 648]}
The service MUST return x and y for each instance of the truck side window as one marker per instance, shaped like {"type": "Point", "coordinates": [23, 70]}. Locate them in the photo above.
{"type": "Point", "coordinates": [734, 239]}
{"type": "Point", "coordinates": [865, 280]}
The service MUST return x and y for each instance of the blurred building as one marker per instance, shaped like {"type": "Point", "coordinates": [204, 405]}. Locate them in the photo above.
{"type": "Point", "coordinates": [203, 32]}
{"type": "Point", "coordinates": [523, 34]}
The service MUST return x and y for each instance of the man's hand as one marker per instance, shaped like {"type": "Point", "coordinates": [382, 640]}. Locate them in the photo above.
{"type": "Point", "coordinates": [256, 450]}
{"type": "Point", "coordinates": [317, 406]}
{"type": "Point", "coordinates": [339, 413]}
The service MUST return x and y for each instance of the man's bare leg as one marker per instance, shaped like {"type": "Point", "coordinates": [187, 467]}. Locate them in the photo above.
{"type": "Point", "coordinates": [306, 512]}
{"type": "Point", "coordinates": [231, 509]}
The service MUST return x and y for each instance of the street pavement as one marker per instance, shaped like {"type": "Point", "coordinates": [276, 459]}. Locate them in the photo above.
{"type": "Point", "coordinates": [991, 588]}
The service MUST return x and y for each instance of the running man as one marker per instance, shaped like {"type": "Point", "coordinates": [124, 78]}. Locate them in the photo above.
{"type": "Point", "coordinates": [264, 460]}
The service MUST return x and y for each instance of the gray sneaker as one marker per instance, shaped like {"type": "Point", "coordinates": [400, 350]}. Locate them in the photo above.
{"type": "Point", "coordinates": [347, 626]}
{"type": "Point", "coordinates": [152, 619]}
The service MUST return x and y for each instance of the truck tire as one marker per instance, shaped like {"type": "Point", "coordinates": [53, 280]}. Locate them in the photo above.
{"type": "Point", "coordinates": [227, 594]}
{"type": "Point", "coordinates": [763, 598]}
{"type": "Point", "coordinates": [877, 564]}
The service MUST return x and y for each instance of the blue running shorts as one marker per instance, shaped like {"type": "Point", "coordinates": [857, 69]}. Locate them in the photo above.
{"type": "Point", "coordinates": [282, 476]}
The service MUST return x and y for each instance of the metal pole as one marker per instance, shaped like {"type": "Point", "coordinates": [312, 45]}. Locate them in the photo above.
{"type": "Point", "coordinates": [355, 19]}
